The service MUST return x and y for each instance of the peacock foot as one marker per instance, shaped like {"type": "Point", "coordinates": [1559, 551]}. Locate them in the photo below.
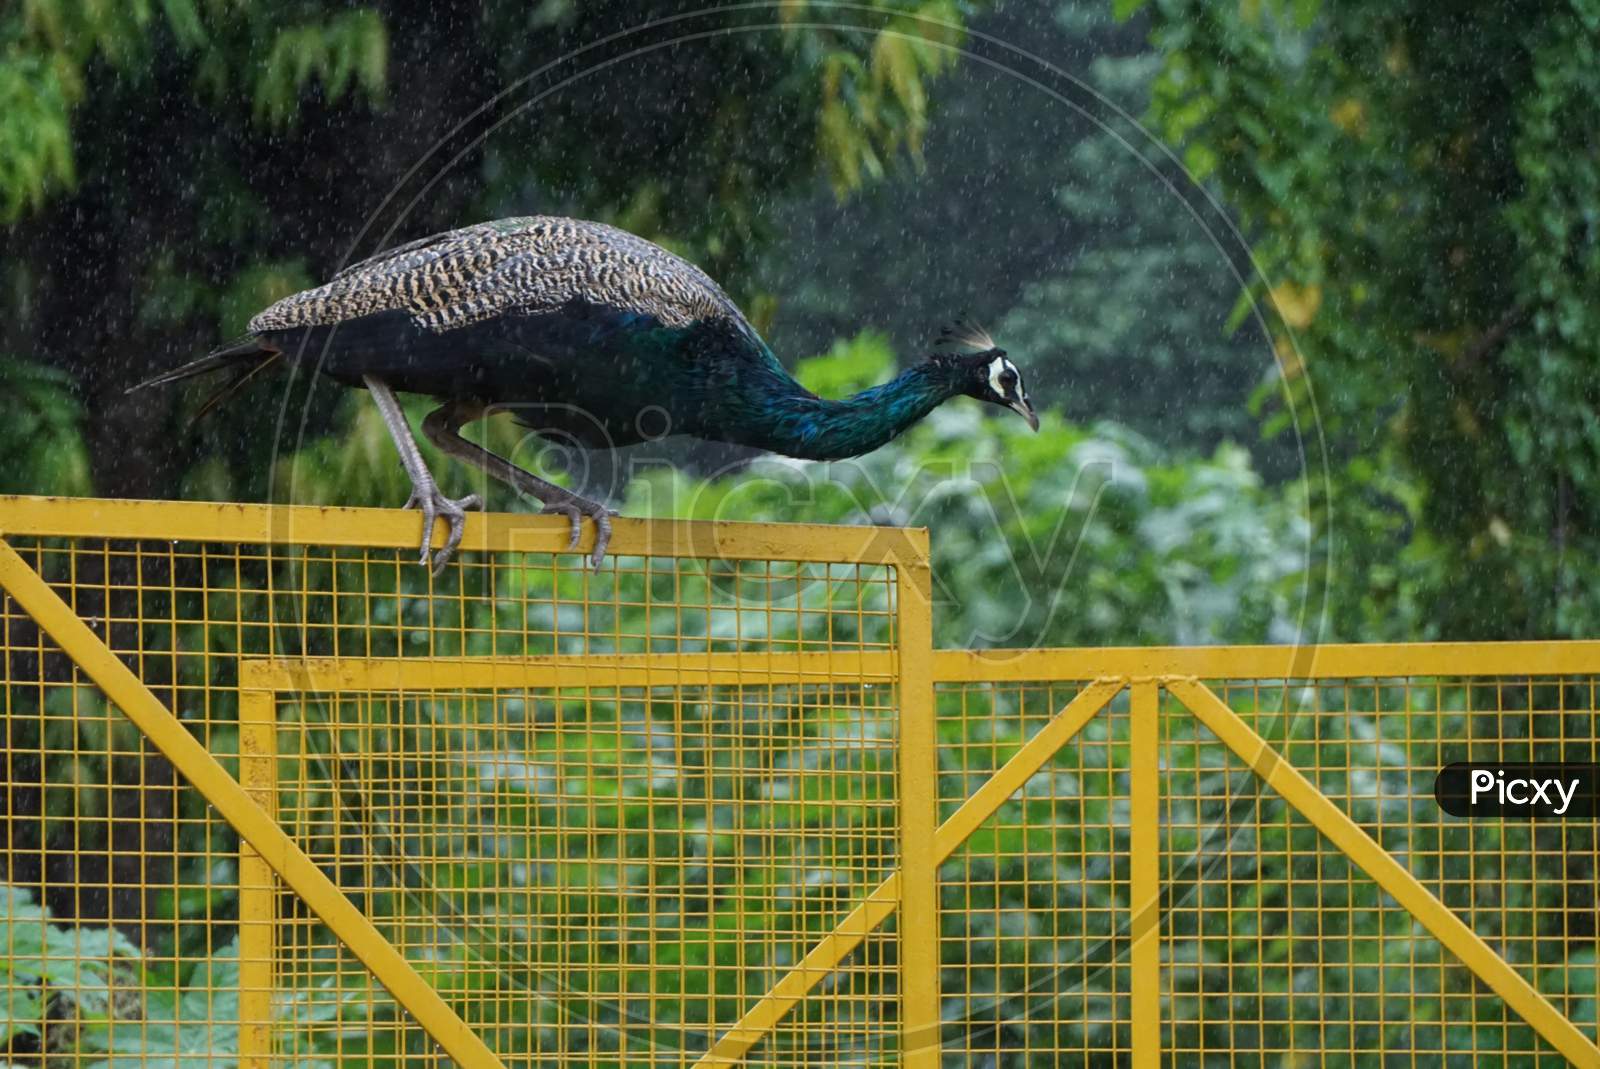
{"type": "Point", "coordinates": [425, 495]}
{"type": "Point", "coordinates": [575, 508]}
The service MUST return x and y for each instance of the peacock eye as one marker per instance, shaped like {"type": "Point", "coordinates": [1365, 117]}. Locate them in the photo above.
{"type": "Point", "coordinates": [1008, 380]}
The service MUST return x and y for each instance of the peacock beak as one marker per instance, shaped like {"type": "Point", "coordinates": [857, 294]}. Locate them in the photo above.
{"type": "Point", "coordinates": [1023, 408]}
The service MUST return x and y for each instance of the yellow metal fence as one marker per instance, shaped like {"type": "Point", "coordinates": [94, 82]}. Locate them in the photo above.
{"type": "Point", "coordinates": [273, 795]}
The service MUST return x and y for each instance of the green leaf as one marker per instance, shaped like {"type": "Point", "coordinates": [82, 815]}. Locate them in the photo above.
{"type": "Point", "coordinates": [21, 1009]}
{"type": "Point", "coordinates": [184, 19]}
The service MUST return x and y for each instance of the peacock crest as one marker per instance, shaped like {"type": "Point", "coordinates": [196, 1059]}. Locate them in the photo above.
{"type": "Point", "coordinates": [965, 333]}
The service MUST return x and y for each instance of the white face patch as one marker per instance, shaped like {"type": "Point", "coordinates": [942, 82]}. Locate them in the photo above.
{"type": "Point", "coordinates": [999, 366]}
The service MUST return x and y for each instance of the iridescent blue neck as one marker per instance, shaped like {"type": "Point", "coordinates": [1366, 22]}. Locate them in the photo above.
{"type": "Point", "coordinates": [795, 422]}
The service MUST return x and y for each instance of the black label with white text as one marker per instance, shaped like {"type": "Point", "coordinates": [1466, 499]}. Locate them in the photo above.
{"type": "Point", "coordinates": [1554, 790]}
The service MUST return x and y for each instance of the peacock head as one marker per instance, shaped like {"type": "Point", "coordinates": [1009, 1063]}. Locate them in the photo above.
{"type": "Point", "coordinates": [985, 372]}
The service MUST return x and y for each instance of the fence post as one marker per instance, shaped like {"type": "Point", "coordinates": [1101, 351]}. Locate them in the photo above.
{"type": "Point", "coordinates": [258, 775]}
{"type": "Point", "coordinates": [1144, 875]}
{"type": "Point", "coordinates": [919, 816]}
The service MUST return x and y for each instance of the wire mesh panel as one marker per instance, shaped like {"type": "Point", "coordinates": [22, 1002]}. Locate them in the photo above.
{"type": "Point", "coordinates": [601, 875]}
{"type": "Point", "coordinates": [605, 864]}
{"type": "Point", "coordinates": [118, 883]}
{"type": "Point", "coordinates": [1277, 943]}
{"type": "Point", "coordinates": [1035, 902]}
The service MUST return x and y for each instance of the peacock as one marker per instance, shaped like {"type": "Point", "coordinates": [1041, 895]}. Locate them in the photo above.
{"type": "Point", "coordinates": [588, 333]}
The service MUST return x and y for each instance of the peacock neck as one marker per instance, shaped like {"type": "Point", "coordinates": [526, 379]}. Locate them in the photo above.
{"type": "Point", "coordinates": [797, 423]}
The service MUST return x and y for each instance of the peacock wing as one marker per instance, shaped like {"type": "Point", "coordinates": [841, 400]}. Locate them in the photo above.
{"type": "Point", "coordinates": [532, 264]}
{"type": "Point", "coordinates": [537, 286]}
{"type": "Point", "coordinates": [602, 266]}
{"type": "Point", "coordinates": [417, 278]}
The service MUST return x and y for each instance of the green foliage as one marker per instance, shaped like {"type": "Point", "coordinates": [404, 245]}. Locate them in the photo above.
{"type": "Point", "coordinates": [41, 436]}
{"type": "Point", "coordinates": [350, 49]}
{"type": "Point", "coordinates": [89, 994]}
{"type": "Point", "coordinates": [1411, 179]}
{"type": "Point", "coordinates": [852, 365]}
{"type": "Point", "coordinates": [1134, 326]}
{"type": "Point", "coordinates": [50, 44]}
{"type": "Point", "coordinates": [182, 1027]}
{"type": "Point", "coordinates": [1552, 419]}
{"type": "Point", "coordinates": [875, 106]}
{"type": "Point", "coordinates": [115, 32]}
{"type": "Point", "coordinates": [35, 142]}
{"type": "Point", "coordinates": [872, 102]}
{"type": "Point", "coordinates": [197, 1023]}
{"type": "Point", "coordinates": [53, 974]}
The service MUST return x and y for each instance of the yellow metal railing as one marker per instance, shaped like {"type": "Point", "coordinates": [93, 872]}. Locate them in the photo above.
{"type": "Point", "coordinates": [721, 803]}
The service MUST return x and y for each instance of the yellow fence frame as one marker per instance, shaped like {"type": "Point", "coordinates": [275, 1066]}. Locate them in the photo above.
{"type": "Point", "coordinates": [247, 803]}
{"type": "Point", "coordinates": [1146, 672]}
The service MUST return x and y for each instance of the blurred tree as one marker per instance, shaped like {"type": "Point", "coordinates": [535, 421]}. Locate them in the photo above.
{"type": "Point", "coordinates": [167, 169]}
{"type": "Point", "coordinates": [1423, 185]}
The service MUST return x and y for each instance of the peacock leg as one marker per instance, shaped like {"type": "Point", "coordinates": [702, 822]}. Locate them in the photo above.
{"type": "Point", "coordinates": [424, 491]}
{"type": "Point", "coordinates": [443, 426]}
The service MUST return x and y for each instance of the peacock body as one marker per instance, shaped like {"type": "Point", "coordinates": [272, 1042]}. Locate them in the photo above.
{"type": "Point", "coordinates": [585, 332]}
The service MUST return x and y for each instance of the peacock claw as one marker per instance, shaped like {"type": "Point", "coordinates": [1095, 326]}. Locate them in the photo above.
{"type": "Point", "coordinates": [433, 505]}
{"type": "Point", "coordinates": [575, 508]}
